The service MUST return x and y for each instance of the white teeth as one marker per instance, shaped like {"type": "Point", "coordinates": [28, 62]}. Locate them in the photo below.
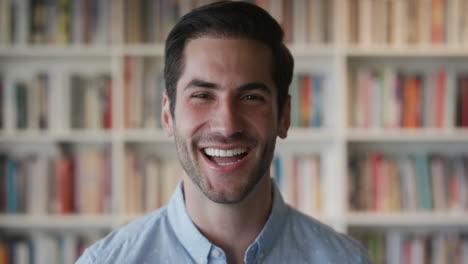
{"type": "Point", "coordinates": [224, 153]}
{"type": "Point", "coordinates": [227, 163]}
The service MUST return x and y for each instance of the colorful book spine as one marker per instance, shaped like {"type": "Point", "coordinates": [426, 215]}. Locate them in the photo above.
{"type": "Point", "coordinates": [300, 182]}
{"type": "Point", "coordinates": [395, 247]}
{"type": "Point", "coordinates": [416, 182]}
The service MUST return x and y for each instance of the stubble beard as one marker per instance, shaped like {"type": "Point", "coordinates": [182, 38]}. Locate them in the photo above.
{"type": "Point", "coordinates": [192, 169]}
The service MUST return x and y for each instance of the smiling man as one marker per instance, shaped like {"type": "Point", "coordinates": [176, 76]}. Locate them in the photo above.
{"type": "Point", "coordinates": [227, 75]}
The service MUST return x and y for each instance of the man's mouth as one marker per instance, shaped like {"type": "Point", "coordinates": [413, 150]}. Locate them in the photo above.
{"type": "Point", "coordinates": [225, 157]}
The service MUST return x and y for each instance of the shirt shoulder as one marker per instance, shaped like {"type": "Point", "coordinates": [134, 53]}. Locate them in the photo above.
{"type": "Point", "coordinates": [316, 240]}
{"type": "Point", "coordinates": [137, 235]}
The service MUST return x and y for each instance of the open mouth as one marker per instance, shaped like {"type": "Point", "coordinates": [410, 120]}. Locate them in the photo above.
{"type": "Point", "coordinates": [225, 157]}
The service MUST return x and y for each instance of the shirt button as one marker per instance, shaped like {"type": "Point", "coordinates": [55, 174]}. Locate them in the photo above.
{"type": "Point", "coordinates": [215, 253]}
{"type": "Point", "coordinates": [202, 261]}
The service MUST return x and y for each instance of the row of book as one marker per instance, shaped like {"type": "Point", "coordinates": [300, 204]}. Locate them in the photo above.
{"type": "Point", "coordinates": [77, 182]}
{"type": "Point", "coordinates": [149, 21]}
{"type": "Point", "coordinates": [308, 96]}
{"type": "Point", "coordinates": [31, 101]}
{"type": "Point", "coordinates": [36, 101]}
{"type": "Point", "coordinates": [149, 181]}
{"type": "Point", "coordinates": [398, 247]}
{"type": "Point", "coordinates": [415, 182]}
{"type": "Point", "coordinates": [389, 98]}
{"type": "Point", "coordinates": [406, 23]}
{"type": "Point", "coordinates": [44, 248]}
{"type": "Point", "coordinates": [305, 22]}
{"type": "Point", "coordinates": [300, 181]}
{"type": "Point", "coordinates": [55, 22]}
{"type": "Point", "coordinates": [143, 86]}
{"type": "Point", "coordinates": [91, 101]}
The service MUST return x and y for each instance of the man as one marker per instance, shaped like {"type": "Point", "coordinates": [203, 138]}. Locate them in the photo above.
{"type": "Point", "coordinates": [227, 75]}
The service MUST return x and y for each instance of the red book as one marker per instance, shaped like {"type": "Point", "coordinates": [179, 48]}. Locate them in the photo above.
{"type": "Point", "coordinates": [412, 102]}
{"type": "Point", "coordinates": [464, 101]}
{"type": "Point", "coordinates": [438, 21]}
{"type": "Point", "coordinates": [127, 90]}
{"type": "Point", "coordinates": [105, 183]}
{"type": "Point", "coordinates": [108, 104]}
{"type": "Point", "coordinates": [305, 100]}
{"type": "Point", "coordinates": [440, 98]}
{"type": "Point", "coordinates": [64, 186]}
{"type": "Point", "coordinates": [454, 187]}
{"type": "Point", "coordinates": [407, 252]}
{"type": "Point", "coordinates": [287, 20]}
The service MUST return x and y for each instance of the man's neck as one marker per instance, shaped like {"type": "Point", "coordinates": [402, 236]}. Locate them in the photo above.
{"type": "Point", "coordinates": [232, 227]}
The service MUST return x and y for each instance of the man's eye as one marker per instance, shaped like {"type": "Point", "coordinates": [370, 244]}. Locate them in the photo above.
{"type": "Point", "coordinates": [253, 97]}
{"type": "Point", "coordinates": [201, 96]}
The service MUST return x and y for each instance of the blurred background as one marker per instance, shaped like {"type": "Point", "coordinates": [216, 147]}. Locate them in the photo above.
{"type": "Point", "coordinates": [378, 147]}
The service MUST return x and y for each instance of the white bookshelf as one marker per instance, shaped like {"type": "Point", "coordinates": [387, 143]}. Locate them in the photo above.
{"type": "Point", "coordinates": [335, 141]}
{"type": "Point", "coordinates": [426, 220]}
{"type": "Point", "coordinates": [59, 222]}
{"type": "Point", "coordinates": [408, 135]}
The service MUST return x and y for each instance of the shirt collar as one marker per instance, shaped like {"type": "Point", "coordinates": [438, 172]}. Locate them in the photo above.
{"type": "Point", "coordinates": [188, 234]}
{"type": "Point", "coordinates": [199, 246]}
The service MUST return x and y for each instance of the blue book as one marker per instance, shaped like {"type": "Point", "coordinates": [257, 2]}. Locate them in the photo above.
{"type": "Point", "coordinates": [423, 179]}
{"type": "Point", "coordinates": [318, 101]}
{"type": "Point", "coordinates": [277, 171]}
{"type": "Point", "coordinates": [11, 190]}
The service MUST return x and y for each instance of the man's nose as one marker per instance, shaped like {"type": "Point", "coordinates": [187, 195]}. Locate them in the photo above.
{"type": "Point", "coordinates": [227, 118]}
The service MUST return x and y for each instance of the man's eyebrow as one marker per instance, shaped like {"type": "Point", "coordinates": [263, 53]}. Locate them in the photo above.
{"type": "Point", "coordinates": [255, 86]}
{"type": "Point", "coordinates": [200, 83]}
{"type": "Point", "coordinates": [245, 87]}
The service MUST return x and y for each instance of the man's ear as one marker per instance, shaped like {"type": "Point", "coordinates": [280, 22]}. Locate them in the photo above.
{"type": "Point", "coordinates": [285, 119]}
{"type": "Point", "coordinates": [166, 116]}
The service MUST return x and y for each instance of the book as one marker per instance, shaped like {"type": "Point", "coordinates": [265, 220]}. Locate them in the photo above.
{"type": "Point", "coordinates": [299, 180]}
{"type": "Point", "coordinates": [399, 23]}
{"type": "Point", "coordinates": [21, 103]}
{"type": "Point", "coordinates": [462, 109]}
{"type": "Point", "coordinates": [390, 98]}
{"type": "Point", "coordinates": [414, 247]}
{"type": "Point", "coordinates": [149, 181]}
{"type": "Point", "coordinates": [11, 186]}
{"type": "Point", "coordinates": [90, 101]}
{"type": "Point", "coordinates": [64, 185]}
{"type": "Point", "coordinates": [414, 182]}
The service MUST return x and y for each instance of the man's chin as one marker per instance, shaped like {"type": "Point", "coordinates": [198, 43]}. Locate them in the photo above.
{"type": "Point", "coordinates": [229, 192]}
{"type": "Point", "coordinates": [226, 197]}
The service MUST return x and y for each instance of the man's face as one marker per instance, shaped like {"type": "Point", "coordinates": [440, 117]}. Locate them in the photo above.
{"type": "Point", "coordinates": [225, 120]}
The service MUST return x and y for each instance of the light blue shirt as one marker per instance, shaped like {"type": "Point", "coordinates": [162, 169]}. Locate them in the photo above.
{"type": "Point", "coordinates": [168, 235]}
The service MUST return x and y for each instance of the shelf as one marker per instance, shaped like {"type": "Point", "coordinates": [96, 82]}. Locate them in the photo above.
{"type": "Point", "coordinates": [311, 50]}
{"type": "Point", "coordinates": [147, 135]}
{"type": "Point", "coordinates": [156, 50]}
{"type": "Point", "coordinates": [56, 221]}
{"type": "Point", "coordinates": [426, 219]}
{"type": "Point", "coordinates": [55, 51]}
{"type": "Point", "coordinates": [416, 51]}
{"type": "Point", "coordinates": [309, 134]}
{"type": "Point", "coordinates": [47, 137]}
{"type": "Point", "coordinates": [407, 135]}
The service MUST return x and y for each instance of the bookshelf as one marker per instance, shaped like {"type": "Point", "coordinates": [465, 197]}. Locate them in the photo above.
{"type": "Point", "coordinates": [336, 50]}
